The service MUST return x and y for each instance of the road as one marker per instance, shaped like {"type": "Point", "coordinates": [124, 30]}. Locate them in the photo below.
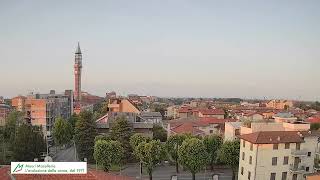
{"type": "Point", "coordinates": [165, 172]}
{"type": "Point", "coordinates": [65, 155]}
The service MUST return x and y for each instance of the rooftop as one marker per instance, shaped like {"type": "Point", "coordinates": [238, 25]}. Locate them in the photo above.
{"type": "Point", "coordinates": [274, 137]}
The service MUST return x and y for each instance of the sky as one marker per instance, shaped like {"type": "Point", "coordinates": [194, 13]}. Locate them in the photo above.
{"type": "Point", "coordinates": [177, 48]}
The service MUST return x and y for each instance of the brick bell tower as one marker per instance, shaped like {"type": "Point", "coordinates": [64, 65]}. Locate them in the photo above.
{"type": "Point", "coordinates": [77, 76]}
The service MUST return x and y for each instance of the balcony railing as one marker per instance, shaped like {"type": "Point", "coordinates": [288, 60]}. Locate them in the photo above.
{"type": "Point", "coordinates": [297, 168]}
{"type": "Point", "coordinates": [299, 153]}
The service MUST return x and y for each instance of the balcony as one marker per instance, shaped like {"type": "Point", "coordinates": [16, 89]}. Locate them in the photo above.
{"type": "Point", "coordinates": [297, 168]}
{"type": "Point", "coordinates": [299, 153]}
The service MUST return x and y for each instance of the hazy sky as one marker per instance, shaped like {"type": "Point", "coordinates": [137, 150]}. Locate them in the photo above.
{"type": "Point", "coordinates": [239, 48]}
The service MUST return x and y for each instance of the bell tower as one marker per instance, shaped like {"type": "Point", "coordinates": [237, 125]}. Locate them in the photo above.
{"type": "Point", "coordinates": [77, 75]}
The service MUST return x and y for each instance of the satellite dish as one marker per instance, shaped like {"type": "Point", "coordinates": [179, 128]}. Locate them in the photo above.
{"type": "Point", "coordinates": [48, 159]}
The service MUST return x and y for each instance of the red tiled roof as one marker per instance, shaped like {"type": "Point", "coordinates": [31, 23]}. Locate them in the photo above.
{"type": "Point", "coordinates": [207, 121]}
{"type": "Point", "coordinates": [313, 120]}
{"type": "Point", "coordinates": [91, 175]}
{"type": "Point", "coordinates": [188, 127]}
{"type": "Point", "coordinates": [4, 173]}
{"type": "Point", "coordinates": [212, 111]}
{"type": "Point", "coordinates": [274, 137]}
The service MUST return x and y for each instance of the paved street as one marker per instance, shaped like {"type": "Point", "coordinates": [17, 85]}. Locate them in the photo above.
{"type": "Point", "coordinates": [165, 172]}
{"type": "Point", "coordinates": [65, 155]}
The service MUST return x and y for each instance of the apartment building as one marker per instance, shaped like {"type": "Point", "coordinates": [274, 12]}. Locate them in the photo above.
{"type": "Point", "coordinates": [277, 151]}
{"type": "Point", "coordinates": [19, 103]}
{"type": "Point", "coordinates": [4, 112]}
{"type": "Point", "coordinates": [43, 109]}
{"type": "Point", "coordinates": [122, 105]}
{"type": "Point", "coordinates": [137, 122]}
{"type": "Point", "coordinates": [279, 104]}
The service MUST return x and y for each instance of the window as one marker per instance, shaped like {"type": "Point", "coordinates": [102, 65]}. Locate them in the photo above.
{"type": "Point", "coordinates": [241, 170]}
{"type": "Point", "coordinates": [284, 176]}
{"type": "Point", "coordinates": [243, 155]}
{"type": "Point", "coordinates": [274, 161]}
{"type": "Point", "coordinates": [285, 160]}
{"type": "Point", "coordinates": [297, 146]}
{"type": "Point", "coordinates": [211, 131]}
{"type": "Point", "coordinates": [244, 143]}
{"type": "Point", "coordinates": [251, 147]}
{"type": "Point", "coordinates": [249, 175]}
{"type": "Point", "coordinates": [273, 176]}
{"type": "Point", "coordinates": [307, 169]}
{"type": "Point", "coordinates": [275, 146]}
{"type": "Point", "coordinates": [287, 145]}
{"type": "Point", "coordinates": [250, 160]}
{"type": "Point", "coordinates": [309, 154]}
{"type": "Point", "coordinates": [294, 177]}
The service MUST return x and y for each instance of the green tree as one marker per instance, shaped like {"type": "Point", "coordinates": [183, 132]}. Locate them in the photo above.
{"type": "Point", "coordinates": [28, 143]}
{"type": "Point", "coordinates": [315, 126]}
{"type": "Point", "coordinates": [15, 118]}
{"type": "Point", "coordinates": [193, 155]}
{"type": "Point", "coordinates": [212, 144]}
{"type": "Point", "coordinates": [229, 154]}
{"type": "Point", "coordinates": [150, 154]}
{"type": "Point", "coordinates": [85, 133]}
{"type": "Point", "coordinates": [159, 133]}
{"type": "Point", "coordinates": [102, 137]}
{"type": "Point", "coordinates": [172, 146]}
{"type": "Point", "coordinates": [108, 153]}
{"type": "Point", "coordinates": [73, 120]}
{"type": "Point", "coordinates": [135, 140]}
{"type": "Point", "coordinates": [121, 131]}
{"type": "Point", "coordinates": [62, 132]}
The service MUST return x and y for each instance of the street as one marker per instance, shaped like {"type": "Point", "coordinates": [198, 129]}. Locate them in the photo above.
{"type": "Point", "coordinates": [161, 172]}
{"type": "Point", "coordinates": [164, 172]}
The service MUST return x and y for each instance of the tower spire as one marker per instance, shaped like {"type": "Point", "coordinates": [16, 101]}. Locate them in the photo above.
{"type": "Point", "coordinates": [78, 51]}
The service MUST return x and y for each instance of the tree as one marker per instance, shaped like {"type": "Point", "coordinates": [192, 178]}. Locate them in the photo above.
{"type": "Point", "coordinates": [73, 120]}
{"type": "Point", "coordinates": [135, 140]}
{"type": "Point", "coordinates": [28, 143]}
{"type": "Point", "coordinates": [172, 146]}
{"type": "Point", "coordinates": [159, 133]}
{"type": "Point", "coordinates": [212, 144]}
{"type": "Point", "coordinates": [229, 154]}
{"type": "Point", "coordinates": [85, 132]}
{"type": "Point", "coordinates": [108, 153]}
{"type": "Point", "coordinates": [62, 132]}
{"type": "Point", "coordinates": [193, 155]}
{"type": "Point", "coordinates": [121, 131]}
{"type": "Point", "coordinates": [150, 154]}
{"type": "Point", "coordinates": [315, 126]}
{"type": "Point", "coordinates": [15, 118]}
{"type": "Point", "coordinates": [102, 137]}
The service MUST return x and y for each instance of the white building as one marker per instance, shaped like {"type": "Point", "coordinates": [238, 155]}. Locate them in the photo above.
{"type": "Point", "coordinates": [277, 151]}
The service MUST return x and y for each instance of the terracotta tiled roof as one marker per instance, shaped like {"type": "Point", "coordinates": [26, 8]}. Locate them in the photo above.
{"type": "Point", "coordinates": [188, 127]}
{"type": "Point", "coordinates": [207, 121]}
{"type": "Point", "coordinates": [212, 111]}
{"type": "Point", "coordinates": [274, 137]}
{"type": "Point", "coordinates": [4, 173]}
{"type": "Point", "coordinates": [313, 120]}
